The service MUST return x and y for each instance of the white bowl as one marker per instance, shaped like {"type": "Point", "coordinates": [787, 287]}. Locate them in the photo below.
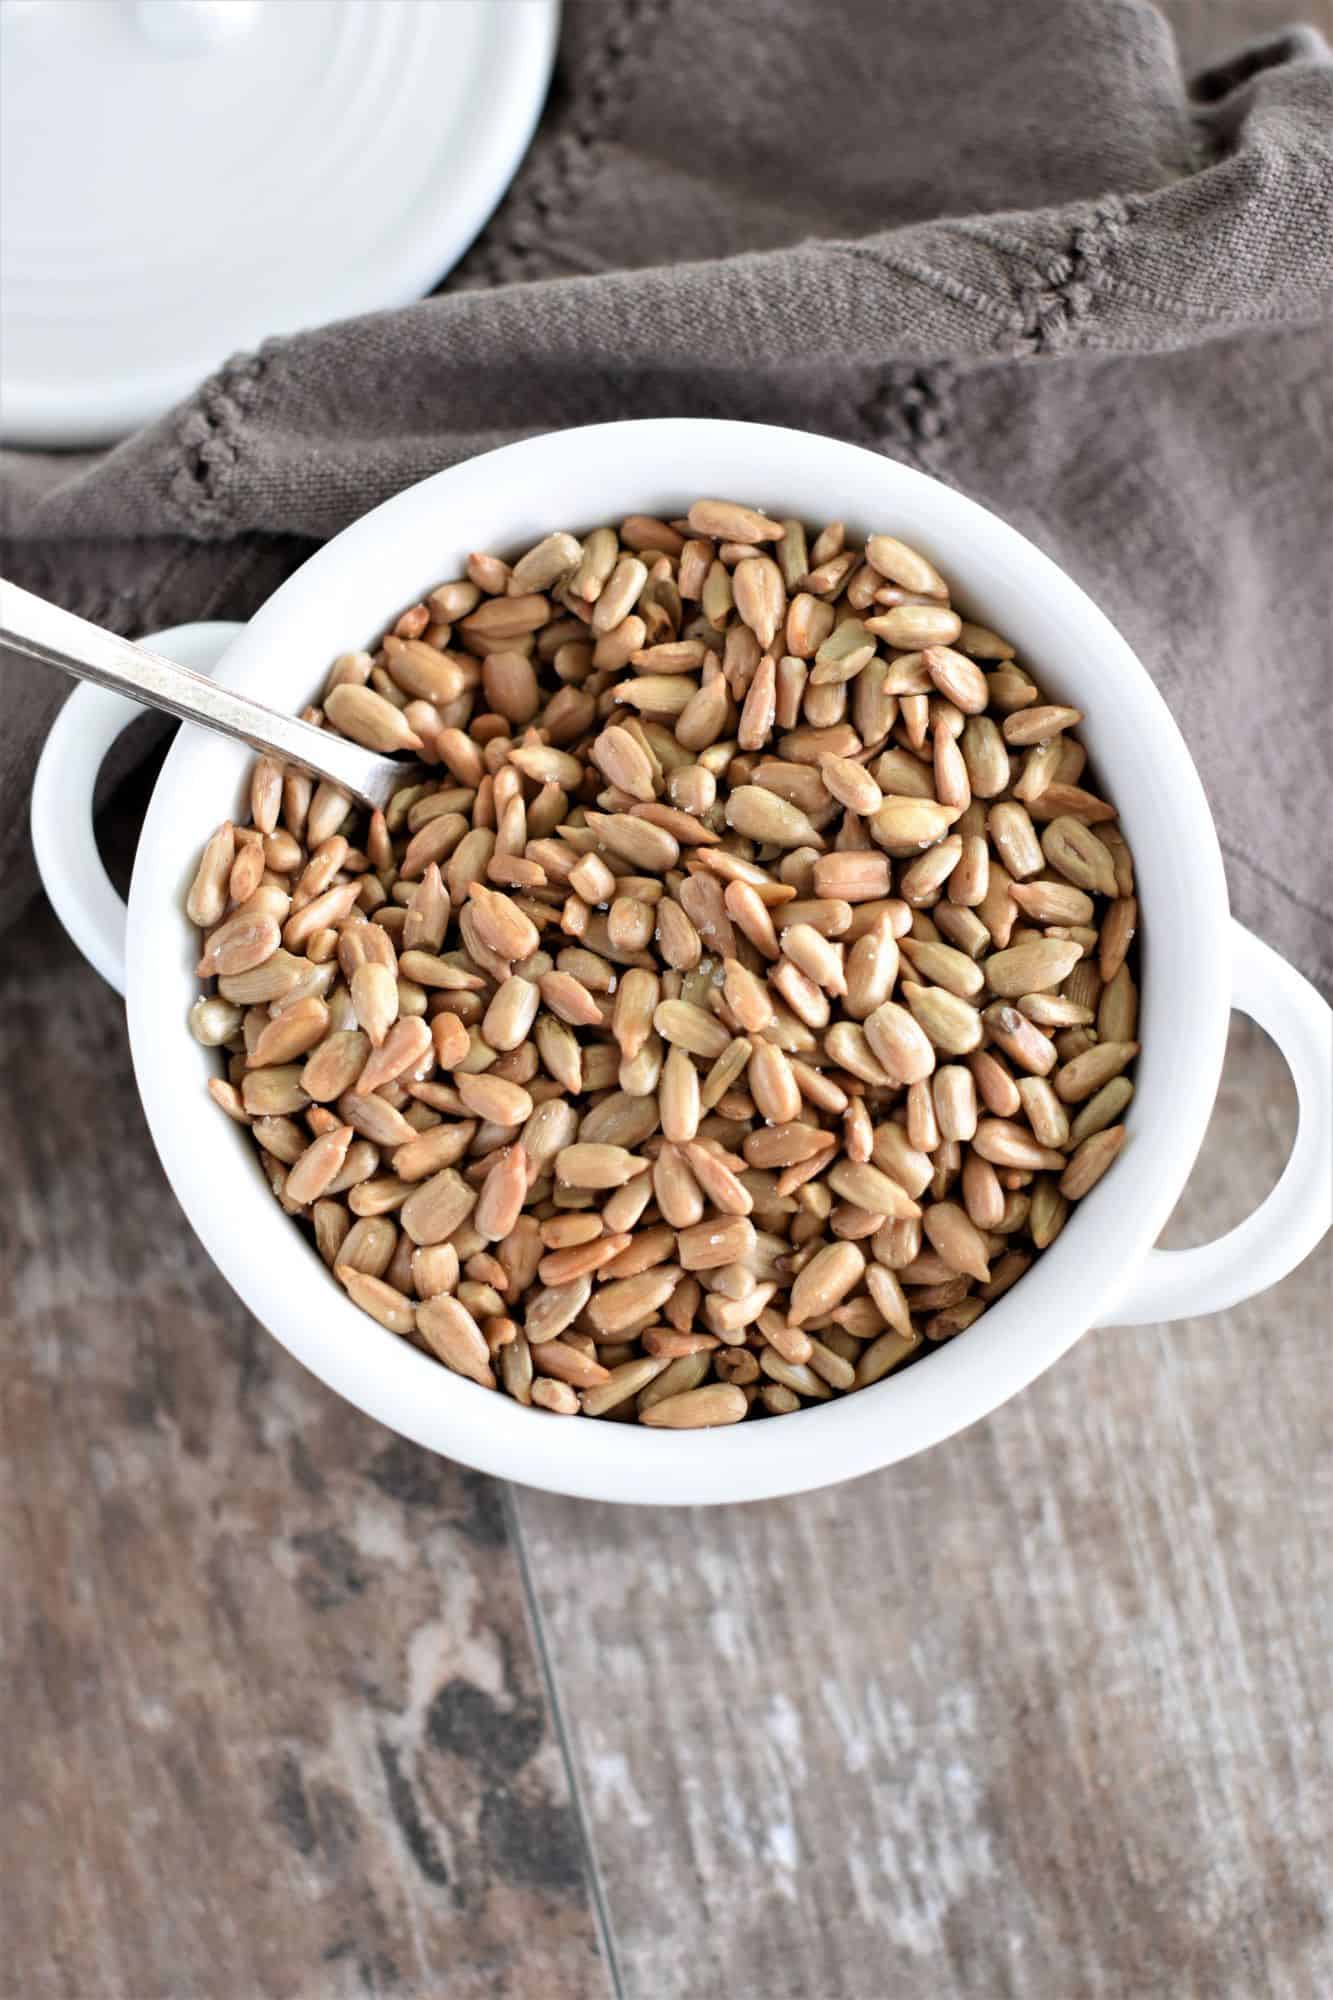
{"type": "Point", "coordinates": [1196, 963]}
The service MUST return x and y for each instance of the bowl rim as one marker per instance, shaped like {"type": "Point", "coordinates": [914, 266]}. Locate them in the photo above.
{"type": "Point", "coordinates": [265, 1259]}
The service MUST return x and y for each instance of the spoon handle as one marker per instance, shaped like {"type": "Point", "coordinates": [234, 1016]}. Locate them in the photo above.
{"type": "Point", "coordinates": [45, 632]}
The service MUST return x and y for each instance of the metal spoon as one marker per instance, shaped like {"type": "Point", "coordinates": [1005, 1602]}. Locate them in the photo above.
{"type": "Point", "coordinates": [44, 632]}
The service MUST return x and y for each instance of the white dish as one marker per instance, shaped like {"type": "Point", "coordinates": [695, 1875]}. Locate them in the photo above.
{"type": "Point", "coordinates": [1197, 964]}
{"type": "Point", "coordinates": [180, 180]}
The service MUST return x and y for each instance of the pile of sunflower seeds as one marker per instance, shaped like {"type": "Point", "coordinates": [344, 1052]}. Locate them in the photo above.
{"type": "Point", "coordinates": [735, 1004]}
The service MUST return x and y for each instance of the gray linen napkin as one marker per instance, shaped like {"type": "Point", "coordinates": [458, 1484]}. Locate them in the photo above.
{"type": "Point", "coordinates": [1010, 245]}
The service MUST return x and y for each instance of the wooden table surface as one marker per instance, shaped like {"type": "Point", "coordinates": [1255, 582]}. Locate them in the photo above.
{"type": "Point", "coordinates": [294, 1709]}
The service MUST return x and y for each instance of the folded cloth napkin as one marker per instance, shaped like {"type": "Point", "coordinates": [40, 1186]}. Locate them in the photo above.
{"type": "Point", "coordinates": [1010, 245]}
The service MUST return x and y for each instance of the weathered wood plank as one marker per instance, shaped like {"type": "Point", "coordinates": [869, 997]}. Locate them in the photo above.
{"type": "Point", "coordinates": [274, 1722]}
{"type": "Point", "coordinates": [1042, 1712]}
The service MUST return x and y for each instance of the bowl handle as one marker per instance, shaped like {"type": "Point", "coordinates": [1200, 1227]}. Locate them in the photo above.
{"type": "Point", "coordinates": [1284, 1229]}
{"type": "Point", "coordinates": [62, 800]}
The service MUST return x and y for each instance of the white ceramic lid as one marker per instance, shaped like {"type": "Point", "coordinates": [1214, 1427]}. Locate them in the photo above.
{"type": "Point", "coordinates": [181, 178]}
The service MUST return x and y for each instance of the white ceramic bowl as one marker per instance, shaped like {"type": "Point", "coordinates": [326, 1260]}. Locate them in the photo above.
{"type": "Point", "coordinates": [1197, 964]}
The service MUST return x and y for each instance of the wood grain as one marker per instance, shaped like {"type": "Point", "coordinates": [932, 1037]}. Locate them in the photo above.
{"type": "Point", "coordinates": [1043, 1712]}
{"type": "Point", "coordinates": [274, 1720]}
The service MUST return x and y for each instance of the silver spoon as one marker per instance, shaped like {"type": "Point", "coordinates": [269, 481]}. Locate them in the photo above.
{"type": "Point", "coordinates": [44, 632]}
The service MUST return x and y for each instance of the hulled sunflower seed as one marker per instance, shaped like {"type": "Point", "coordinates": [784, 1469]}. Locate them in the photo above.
{"type": "Point", "coordinates": [698, 1409]}
{"type": "Point", "coordinates": [905, 825]}
{"type": "Point", "coordinates": [1090, 1161]}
